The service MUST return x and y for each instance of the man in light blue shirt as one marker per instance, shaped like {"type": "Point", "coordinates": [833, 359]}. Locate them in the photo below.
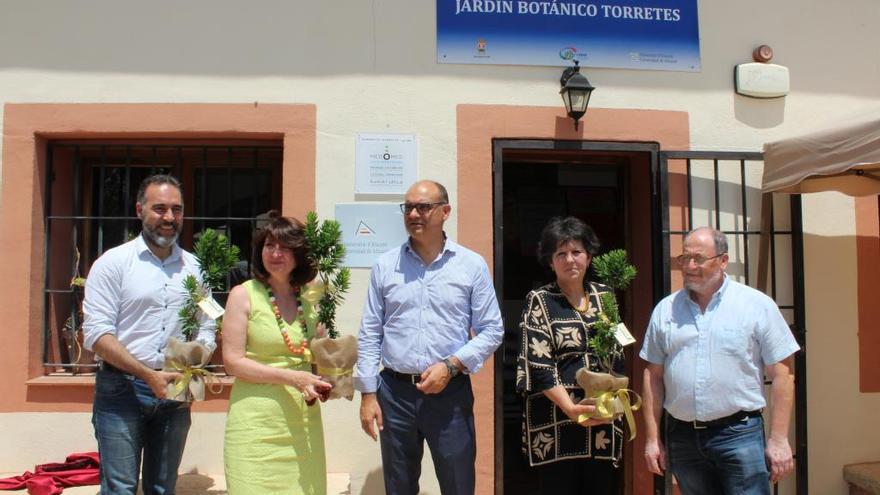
{"type": "Point", "coordinates": [708, 347]}
{"type": "Point", "coordinates": [425, 300]}
{"type": "Point", "coordinates": [133, 295]}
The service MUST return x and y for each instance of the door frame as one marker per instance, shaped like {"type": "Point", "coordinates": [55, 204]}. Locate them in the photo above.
{"type": "Point", "coordinates": [499, 145]}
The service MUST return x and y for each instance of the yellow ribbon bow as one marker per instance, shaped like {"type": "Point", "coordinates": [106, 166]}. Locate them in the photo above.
{"type": "Point", "coordinates": [606, 408]}
{"type": "Point", "coordinates": [194, 372]}
{"type": "Point", "coordinates": [333, 372]}
{"type": "Point", "coordinates": [312, 292]}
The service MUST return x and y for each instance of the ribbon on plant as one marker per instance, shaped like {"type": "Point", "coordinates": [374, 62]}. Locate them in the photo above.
{"type": "Point", "coordinates": [312, 292]}
{"type": "Point", "coordinates": [334, 372]}
{"type": "Point", "coordinates": [311, 295]}
{"type": "Point", "coordinates": [195, 374]}
{"type": "Point", "coordinates": [606, 409]}
{"type": "Point", "coordinates": [306, 355]}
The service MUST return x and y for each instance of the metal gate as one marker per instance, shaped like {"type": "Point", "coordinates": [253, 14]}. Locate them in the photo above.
{"type": "Point", "coordinates": [723, 190]}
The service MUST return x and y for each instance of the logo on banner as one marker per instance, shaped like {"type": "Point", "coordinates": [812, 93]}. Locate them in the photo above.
{"type": "Point", "coordinates": [568, 53]}
{"type": "Point", "coordinates": [364, 230]}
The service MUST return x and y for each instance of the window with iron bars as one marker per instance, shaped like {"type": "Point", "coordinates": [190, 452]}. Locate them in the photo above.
{"type": "Point", "coordinates": [90, 195]}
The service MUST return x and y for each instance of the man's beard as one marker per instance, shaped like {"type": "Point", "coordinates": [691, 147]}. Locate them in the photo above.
{"type": "Point", "coordinates": [152, 235]}
{"type": "Point", "coordinates": [703, 284]}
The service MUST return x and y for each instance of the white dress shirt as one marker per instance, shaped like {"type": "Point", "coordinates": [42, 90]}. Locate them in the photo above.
{"type": "Point", "coordinates": [136, 296]}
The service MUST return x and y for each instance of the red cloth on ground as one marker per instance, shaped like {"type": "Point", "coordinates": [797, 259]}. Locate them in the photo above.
{"type": "Point", "coordinates": [51, 479]}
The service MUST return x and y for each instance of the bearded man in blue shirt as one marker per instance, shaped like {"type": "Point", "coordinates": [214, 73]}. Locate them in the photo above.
{"type": "Point", "coordinates": [431, 319]}
{"type": "Point", "coordinates": [133, 295]}
{"type": "Point", "coordinates": [708, 346]}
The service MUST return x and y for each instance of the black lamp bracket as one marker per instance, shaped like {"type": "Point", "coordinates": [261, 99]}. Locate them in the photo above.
{"type": "Point", "coordinates": [568, 72]}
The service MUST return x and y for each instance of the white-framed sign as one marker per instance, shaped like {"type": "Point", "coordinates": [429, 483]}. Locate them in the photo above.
{"type": "Point", "coordinates": [385, 163]}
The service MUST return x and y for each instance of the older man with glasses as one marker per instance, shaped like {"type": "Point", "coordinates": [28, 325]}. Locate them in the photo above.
{"type": "Point", "coordinates": [708, 347]}
{"type": "Point", "coordinates": [425, 298]}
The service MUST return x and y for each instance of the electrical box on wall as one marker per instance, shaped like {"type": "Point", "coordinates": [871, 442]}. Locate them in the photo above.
{"type": "Point", "coordinates": [760, 80]}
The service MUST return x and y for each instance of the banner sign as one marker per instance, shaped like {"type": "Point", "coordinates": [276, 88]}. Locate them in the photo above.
{"type": "Point", "coordinates": [368, 230]}
{"type": "Point", "coordinates": [624, 34]}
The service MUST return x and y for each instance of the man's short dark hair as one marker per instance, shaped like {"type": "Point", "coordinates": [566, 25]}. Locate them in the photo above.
{"type": "Point", "coordinates": [560, 230]}
{"type": "Point", "coordinates": [290, 233]}
{"type": "Point", "coordinates": [157, 179]}
{"type": "Point", "coordinates": [444, 195]}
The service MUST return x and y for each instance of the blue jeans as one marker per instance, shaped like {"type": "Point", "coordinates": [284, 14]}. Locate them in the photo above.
{"type": "Point", "coordinates": [445, 421]}
{"type": "Point", "coordinates": [130, 422]}
{"type": "Point", "coordinates": [720, 459]}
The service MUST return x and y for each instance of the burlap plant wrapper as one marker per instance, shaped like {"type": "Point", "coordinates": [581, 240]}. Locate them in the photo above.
{"type": "Point", "coordinates": [609, 393]}
{"type": "Point", "coordinates": [188, 359]}
{"type": "Point", "coordinates": [334, 360]}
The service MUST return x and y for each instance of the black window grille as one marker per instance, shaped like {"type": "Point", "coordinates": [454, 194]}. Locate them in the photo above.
{"type": "Point", "coordinates": [90, 195]}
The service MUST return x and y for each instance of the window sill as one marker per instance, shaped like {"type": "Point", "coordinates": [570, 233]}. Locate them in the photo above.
{"type": "Point", "coordinates": [80, 380]}
{"type": "Point", "coordinates": [88, 380]}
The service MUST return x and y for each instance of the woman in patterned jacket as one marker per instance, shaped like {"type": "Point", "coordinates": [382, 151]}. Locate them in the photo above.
{"type": "Point", "coordinates": [566, 457]}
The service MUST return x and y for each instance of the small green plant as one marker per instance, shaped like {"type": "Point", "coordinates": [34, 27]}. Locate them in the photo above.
{"type": "Point", "coordinates": [216, 258]}
{"type": "Point", "coordinates": [613, 270]}
{"type": "Point", "coordinates": [328, 252]}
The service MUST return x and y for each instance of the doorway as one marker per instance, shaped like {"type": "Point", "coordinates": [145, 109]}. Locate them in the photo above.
{"type": "Point", "coordinates": [612, 187]}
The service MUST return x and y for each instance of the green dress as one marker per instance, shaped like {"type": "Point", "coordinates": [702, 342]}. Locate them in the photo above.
{"type": "Point", "coordinates": [274, 442]}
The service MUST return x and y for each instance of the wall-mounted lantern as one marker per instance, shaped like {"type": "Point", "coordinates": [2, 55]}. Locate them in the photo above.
{"type": "Point", "coordinates": [576, 91]}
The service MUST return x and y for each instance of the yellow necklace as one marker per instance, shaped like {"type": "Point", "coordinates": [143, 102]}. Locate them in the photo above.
{"type": "Point", "coordinates": [582, 308]}
{"type": "Point", "coordinates": [585, 307]}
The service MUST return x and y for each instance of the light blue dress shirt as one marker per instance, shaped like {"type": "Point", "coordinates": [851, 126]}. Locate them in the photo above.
{"type": "Point", "coordinates": [713, 362]}
{"type": "Point", "coordinates": [417, 315]}
{"type": "Point", "coordinates": [135, 296]}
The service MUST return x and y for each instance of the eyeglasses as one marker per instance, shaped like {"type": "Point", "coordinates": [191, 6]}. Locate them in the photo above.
{"type": "Point", "coordinates": [700, 260]}
{"type": "Point", "coordinates": [422, 208]}
{"type": "Point", "coordinates": [276, 248]}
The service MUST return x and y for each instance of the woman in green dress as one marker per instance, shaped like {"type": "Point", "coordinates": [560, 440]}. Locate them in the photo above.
{"type": "Point", "coordinates": [274, 440]}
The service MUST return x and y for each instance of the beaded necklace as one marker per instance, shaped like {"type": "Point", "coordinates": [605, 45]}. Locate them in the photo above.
{"type": "Point", "coordinates": [585, 307]}
{"type": "Point", "coordinates": [297, 350]}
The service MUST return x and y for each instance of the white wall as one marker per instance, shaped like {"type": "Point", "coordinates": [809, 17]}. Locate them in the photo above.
{"type": "Point", "coordinates": [369, 66]}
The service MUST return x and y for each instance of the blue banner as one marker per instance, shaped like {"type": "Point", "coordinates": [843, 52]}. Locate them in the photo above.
{"type": "Point", "coordinates": [626, 34]}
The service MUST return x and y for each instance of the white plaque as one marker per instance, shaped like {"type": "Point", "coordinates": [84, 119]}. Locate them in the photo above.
{"type": "Point", "coordinates": [624, 338]}
{"type": "Point", "coordinates": [385, 163]}
{"type": "Point", "coordinates": [211, 307]}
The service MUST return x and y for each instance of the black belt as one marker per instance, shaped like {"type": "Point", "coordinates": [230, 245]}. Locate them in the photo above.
{"type": "Point", "coordinates": [725, 421]}
{"type": "Point", "coordinates": [406, 377]}
{"type": "Point", "coordinates": [409, 377]}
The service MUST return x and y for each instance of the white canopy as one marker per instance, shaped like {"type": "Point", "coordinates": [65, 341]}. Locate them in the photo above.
{"type": "Point", "coordinates": [846, 159]}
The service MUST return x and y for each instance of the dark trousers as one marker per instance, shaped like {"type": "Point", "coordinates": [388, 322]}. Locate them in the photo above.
{"type": "Point", "coordinates": [444, 420]}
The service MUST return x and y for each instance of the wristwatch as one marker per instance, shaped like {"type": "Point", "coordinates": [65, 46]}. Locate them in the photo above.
{"type": "Point", "coordinates": [453, 369]}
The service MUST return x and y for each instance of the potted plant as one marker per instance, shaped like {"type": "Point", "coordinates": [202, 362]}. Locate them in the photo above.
{"type": "Point", "coordinates": [333, 356]}
{"type": "Point", "coordinates": [606, 389]}
{"type": "Point", "coordinates": [216, 256]}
